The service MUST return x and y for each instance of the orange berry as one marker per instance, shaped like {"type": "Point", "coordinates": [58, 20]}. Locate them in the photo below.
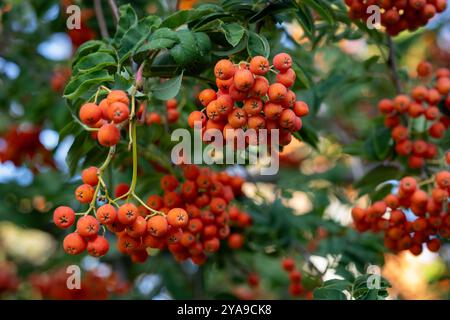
{"type": "Point", "coordinates": [259, 65]}
{"type": "Point", "coordinates": [84, 193]}
{"type": "Point", "coordinates": [282, 61]}
{"type": "Point", "coordinates": [74, 243]}
{"type": "Point", "coordinates": [118, 112]}
{"type": "Point", "coordinates": [138, 228]}
{"type": "Point", "coordinates": [277, 92]}
{"type": "Point", "coordinates": [443, 179]}
{"type": "Point", "coordinates": [106, 214]}
{"type": "Point", "coordinates": [243, 79]}
{"type": "Point", "coordinates": [178, 217]}
{"type": "Point", "coordinates": [87, 226]}
{"type": "Point", "coordinates": [224, 69]}
{"type": "Point", "coordinates": [90, 114]}
{"type": "Point", "coordinates": [287, 78]}
{"type": "Point", "coordinates": [206, 96]}
{"type": "Point", "coordinates": [260, 87]}
{"type": "Point", "coordinates": [118, 96]}
{"type": "Point", "coordinates": [98, 247]}
{"type": "Point", "coordinates": [108, 135]}
{"type": "Point", "coordinates": [157, 226]}
{"type": "Point", "coordinates": [171, 103]}
{"type": "Point", "coordinates": [235, 241]}
{"type": "Point", "coordinates": [63, 217]}
{"type": "Point", "coordinates": [272, 111]}
{"type": "Point", "coordinates": [127, 213]}
{"type": "Point", "coordinates": [424, 68]}
{"type": "Point", "coordinates": [89, 176]}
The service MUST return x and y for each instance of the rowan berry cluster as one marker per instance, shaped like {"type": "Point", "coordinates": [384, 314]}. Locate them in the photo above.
{"type": "Point", "coordinates": [9, 282]}
{"type": "Point", "coordinates": [204, 216]}
{"type": "Point", "coordinates": [246, 100]}
{"type": "Point", "coordinates": [171, 115]}
{"type": "Point", "coordinates": [189, 219]}
{"type": "Point", "coordinates": [53, 285]}
{"type": "Point", "coordinates": [411, 216]}
{"type": "Point", "coordinates": [397, 15]}
{"type": "Point", "coordinates": [404, 112]}
{"type": "Point", "coordinates": [295, 276]}
{"type": "Point", "coordinates": [107, 117]}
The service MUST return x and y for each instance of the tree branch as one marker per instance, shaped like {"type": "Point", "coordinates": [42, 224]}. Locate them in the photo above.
{"type": "Point", "coordinates": [101, 19]}
{"type": "Point", "coordinates": [392, 63]}
{"type": "Point", "coordinates": [114, 9]}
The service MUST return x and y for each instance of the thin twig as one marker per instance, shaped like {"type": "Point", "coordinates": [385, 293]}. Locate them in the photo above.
{"type": "Point", "coordinates": [392, 63]}
{"type": "Point", "coordinates": [101, 19]}
{"type": "Point", "coordinates": [114, 9]}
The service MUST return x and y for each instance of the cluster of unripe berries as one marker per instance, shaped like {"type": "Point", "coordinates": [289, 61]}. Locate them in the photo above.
{"type": "Point", "coordinates": [295, 277]}
{"type": "Point", "coordinates": [189, 219]}
{"type": "Point", "coordinates": [171, 115]}
{"type": "Point", "coordinates": [53, 285]}
{"type": "Point", "coordinates": [246, 100]}
{"type": "Point", "coordinates": [107, 116]}
{"type": "Point", "coordinates": [397, 15]}
{"type": "Point", "coordinates": [410, 217]}
{"type": "Point", "coordinates": [421, 103]}
{"type": "Point", "coordinates": [205, 215]}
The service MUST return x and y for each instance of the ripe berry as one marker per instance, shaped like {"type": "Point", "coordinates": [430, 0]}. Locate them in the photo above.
{"type": "Point", "coordinates": [196, 116]}
{"type": "Point", "coordinates": [171, 103]}
{"type": "Point", "coordinates": [127, 213]}
{"type": "Point", "coordinates": [437, 130]}
{"type": "Point", "coordinates": [282, 61]}
{"type": "Point", "coordinates": [89, 176]}
{"type": "Point", "coordinates": [155, 202]}
{"type": "Point", "coordinates": [408, 185]}
{"type": "Point", "coordinates": [434, 245]}
{"type": "Point", "coordinates": [90, 114]}
{"type": "Point", "coordinates": [295, 276]}
{"type": "Point", "coordinates": [106, 214]}
{"type": "Point", "coordinates": [286, 78]}
{"type": "Point", "coordinates": [74, 244]}
{"type": "Point", "coordinates": [235, 241]}
{"type": "Point", "coordinates": [443, 179]}
{"type": "Point", "coordinates": [259, 65]}
{"type": "Point", "coordinates": [277, 92]}
{"type": "Point", "coordinates": [87, 226]}
{"type": "Point", "coordinates": [237, 118]}
{"type": "Point", "coordinates": [295, 289]}
{"type": "Point", "coordinates": [98, 247]}
{"type": "Point", "coordinates": [138, 228]}
{"type": "Point", "coordinates": [211, 245]}
{"type": "Point", "coordinates": [195, 225]}
{"type": "Point", "coordinates": [206, 96]}
{"type": "Point", "coordinates": [169, 183]}
{"type": "Point", "coordinates": [301, 109]}
{"type": "Point", "coordinates": [224, 69]}
{"type": "Point", "coordinates": [63, 217]}
{"type": "Point", "coordinates": [118, 96]}
{"type": "Point", "coordinates": [108, 135]}
{"type": "Point", "coordinates": [177, 217]}
{"type": "Point", "coordinates": [272, 111]}
{"type": "Point", "coordinates": [424, 68]}
{"type": "Point", "coordinates": [84, 193]}
{"type": "Point", "coordinates": [260, 87]}
{"type": "Point", "coordinates": [157, 226]}
{"type": "Point", "coordinates": [243, 79]}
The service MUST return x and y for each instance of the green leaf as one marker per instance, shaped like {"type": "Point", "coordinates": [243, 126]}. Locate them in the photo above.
{"type": "Point", "coordinates": [168, 89]}
{"type": "Point", "coordinates": [79, 84]}
{"type": "Point", "coordinates": [305, 19]}
{"type": "Point", "coordinates": [128, 19]}
{"type": "Point", "coordinates": [322, 8]}
{"type": "Point", "coordinates": [308, 135]}
{"type": "Point", "coordinates": [336, 284]}
{"type": "Point", "coordinates": [191, 47]}
{"type": "Point", "coordinates": [374, 177]}
{"type": "Point", "coordinates": [328, 294]}
{"type": "Point", "coordinates": [257, 45]}
{"type": "Point", "coordinates": [88, 48]}
{"type": "Point", "coordinates": [95, 61]}
{"type": "Point", "coordinates": [233, 32]}
{"type": "Point", "coordinates": [81, 145]}
{"type": "Point", "coordinates": [185, 16]}
{"type": "Point", "coordinates": [136, 35]}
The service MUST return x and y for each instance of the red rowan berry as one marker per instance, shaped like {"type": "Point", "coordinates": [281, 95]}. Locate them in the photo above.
{"type": "Point", "coordinates": [121, 189]}
{"type": "Point", "coordinates": [89, 176]}
{"type": "Point", "coordinates": [434, 245]}
{"type": "Point", "coordinates": [295, 289]}
{"type": "Point", "coordinates": [272, 111]}
{"type": "Point", "coordinates": [98, 247]}
{"type": "Point", "coordinates": [237, 118]}
{"type": "Point", "coordinates": [174, 236]}
{"type": "Point", "coordinates": [84, 193]}
{"type": "Point", "coordinates": [433, 96]}
{"type": "Point", "coordinates": [87, 226]}
{"type": "Point", "coordinates": [127, 213]}
{"type": "Point", "coordinates": [399, 133]}
{"type": "Point", "coordinates": [260, 87]}
{"type": "Point", "coordinates": [432, 113]}
{"type": "Point", "coordinates": [171, 103]}
{"type": "Point", "coordinates": [424, 68]}
{"type": "Point", "coordinates": [392, 201]}
{"type": "Point", "coordinates": [74, 243]}
{"type": "Point", "coordinates": [224, 85]}
{"type": "Point", "coordinates": [118, 112]}
{"type": "Point", "coordinates": [288, 264]}
{"type": "Point", "coordinates": [157, 226]}
{"type": "Point", "coordinates": [172, 115]}
{"type": "Point", "coordinates": [282, 61]}
{"type": "Point", "coordinates": [178, 217]}
{"type": "Point", "coordinates": [295, 276]}
{"type": "Point", "coordinates": [419, 93]}
{"type": "Point", "coordinates": [195, 225]}
{"type": "Point", "coordinates": [235, 241]}
{"type": "Point", "coordinates": [237, 95]}
{"type": "Point", "coordinates": [127, 244]}
{"type": "Point", "coordinates": [108, 135]}
{"type": "Point", "coordinates": [224, 104]}
{"type": "Point", "coordinates": [171, 200]}
{"type": "Point", "coordinates": [301, 109]}
{"type": "Point", "coordinates": [415, 109]}
{"type": "Point", "coordinates": [218, 205]}
{"type": "Point", "coordinates": [286, 78]}
{"type": "Point", "coordinates": [259, 65]}
{"type": "Point", "coordinates": [416, 162]}
{"type": "Point", "coordinates": [196, 116]}
{"type": "Point", "coordinates": [209, 231]}
{"type": "Point", "coordinates": [106, 214]}
{"type": "Point", "coordinates": [202, 200]}
{"type": "Point", "coordinates": [386, 106]}
{"type": "Point", "coordinates": [256, 122]}
{"type": "Point", "coordinates": [404, 147]}
{"type": "Point", "coordinates": [443, 85]}
{"type": "Point", "coordinates": [169, 183]}
{"type": "Point", "coordinates": [138, 228]}
{"type": "Point", "coordinates": [408, 185]}
{"type": "Point", "coordinates": [118, 96]}
{"type": "Point", "coordinates": [155, 202]}
{"type": "Point", "coordinates": [224, 69]}
{"type": "Point", "coordinates": [243, 79]}
{"type": "Point", "coordinates": [443, 179]}
{"type": "Point", "coordinates": [287, 118]}
{"type": "Point", "coordinates": [277, 92]}
{"type": "Point", "coordinates": [437, 130]}
{"type": "Point", "coordinates": [397, 217]}
{"type": "Point", "coordinates": [416, 249]}
{"type": "Point", "coordinates": [401, 103]}
{"type": "Point", "coordinates": [212, 245]}
{"type": "Point", "coordinates": [253, 279]}
{"type": "Point", "coordinates": [253, 106]}
{"type": "Point", "coordinates": [90, 114]}
{"type": "Point", "coordinates": [63, 217]}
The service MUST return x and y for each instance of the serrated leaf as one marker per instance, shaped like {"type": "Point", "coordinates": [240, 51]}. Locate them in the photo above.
{"type": "Point", "coordinates": [128, 19]}
{"type": "Point", "coordinates": [163, 38]}
{"type": "Point", "coordinates": [95, 61]}
{"type": "Point", "coordinates": [233, 32]}
{"type": "Point", "coordinates": [257, 45]}
{"type": "Point", "coordinates": [185, 16]}
{"type": "Point", "coordinates": [136, 35]}
{"type": "Point", "coordinates": [168, 89]}
{"type": "Point", "coordinates": [328, 294]}
{"type": "Point", "coordinates": [83, 82]}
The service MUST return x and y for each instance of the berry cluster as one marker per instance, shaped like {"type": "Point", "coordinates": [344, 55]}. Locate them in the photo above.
{"type": "Point", "coordinates": [9, 282]}
{"type": "Point", "coordinates": [172, 114]}
{"type": "Point", "coordinates": [246, 100]}
{"type": "Point", "coordinates": [397, 15]}
{"type": "Point", "coordinates": [295, 276]}
{"type": "Point", "coordinates": [410, 217]}
{"type": "Point", "coordinates": [420, 105]}
{"type": "Point", "coordinates": [189, 219]}
{"type": "Point", "coordinates": [204, 216]}
{"type": "Point", "coordinates": [93, 286]}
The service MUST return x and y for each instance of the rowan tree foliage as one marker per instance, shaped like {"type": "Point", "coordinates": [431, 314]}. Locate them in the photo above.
{"type": "Point", "coordinates": [363, 151]}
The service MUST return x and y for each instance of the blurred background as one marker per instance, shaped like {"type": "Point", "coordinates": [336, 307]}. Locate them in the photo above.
{"type": "Point", "coordinates": [303, 212]}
